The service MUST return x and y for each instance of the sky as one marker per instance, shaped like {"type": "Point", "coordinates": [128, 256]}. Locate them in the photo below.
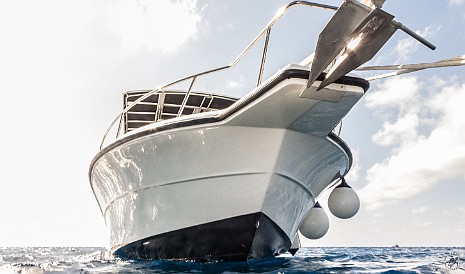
{"type": "Point", "coordinates": [64, 65]}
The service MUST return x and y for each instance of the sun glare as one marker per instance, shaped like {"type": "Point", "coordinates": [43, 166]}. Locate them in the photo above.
{"type": "Point", "coordinates": [161, 25]}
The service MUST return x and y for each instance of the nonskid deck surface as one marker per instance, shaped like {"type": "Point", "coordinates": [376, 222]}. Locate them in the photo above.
{"type": "Point", "coordinates": [239, 238]}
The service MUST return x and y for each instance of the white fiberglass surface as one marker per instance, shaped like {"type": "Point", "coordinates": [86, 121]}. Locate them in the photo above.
{"type": "Point", "coordinates": [184, 178]}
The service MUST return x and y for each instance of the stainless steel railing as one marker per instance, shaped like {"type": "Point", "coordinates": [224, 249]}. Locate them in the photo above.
{"type": "Point", "coordinates": [167, 104]}
{"type": "Point", "coordinates": [265, 32]}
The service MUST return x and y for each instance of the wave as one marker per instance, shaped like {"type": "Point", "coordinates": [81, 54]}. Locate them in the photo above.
{"type": "Point", "coordinates": [307, 260]}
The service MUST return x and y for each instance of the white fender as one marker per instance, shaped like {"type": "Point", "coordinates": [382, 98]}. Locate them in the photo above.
{"type": "Point", "coordinates": [343, 202]}
{"type": "Point", "coordinates": [315, 224]}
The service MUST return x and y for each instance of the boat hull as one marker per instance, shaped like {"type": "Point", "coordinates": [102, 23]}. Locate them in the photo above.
{"type": "Point", "coordinates": [232, 185]}
{"type": "Point", "coordinates": [237, 238]}
{"type": "Point", "coordinates": [166, 183]}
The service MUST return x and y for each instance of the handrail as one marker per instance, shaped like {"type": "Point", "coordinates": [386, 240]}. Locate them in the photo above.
{"type": "Point", "coordinates": [266, 30]}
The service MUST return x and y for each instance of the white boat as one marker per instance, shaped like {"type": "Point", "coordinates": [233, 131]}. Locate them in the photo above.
{"type": "Point", "coordinates": [202, 176]}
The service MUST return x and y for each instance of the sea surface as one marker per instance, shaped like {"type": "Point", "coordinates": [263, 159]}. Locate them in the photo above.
{"type": "Point", "coordinates": [307, 260]}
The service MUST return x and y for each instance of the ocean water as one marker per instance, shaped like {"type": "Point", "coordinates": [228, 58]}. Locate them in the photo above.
{"type": "Point", "coordinates": [307, 260]}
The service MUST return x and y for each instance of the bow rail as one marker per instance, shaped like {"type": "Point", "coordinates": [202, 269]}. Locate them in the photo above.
{"type": "Point", "coordinates": [353, 36]}
{"type": "Point", "coordinates": [266, 31]}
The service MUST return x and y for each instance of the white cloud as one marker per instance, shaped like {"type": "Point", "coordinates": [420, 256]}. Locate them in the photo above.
{"type": "Point", "coordinates": [234, 84]}
{"type": "Point", "coordinates": [396, 93]}
{"type": "Point", "coordinates": [424, 160]}
{"type": "Point", "coordinates": [458, 212]}
{"type": "Point", "coordinates": [406, 47]}
{"type": "Point", "coordinates": [158, 24]}
{"type": "Point", "coordinates": [419, 210]}
{"type": "Point", "coordinates": [404, 130]}
{"type": "Point", "coordinates": [456, 2]}
{"type": "Point", "coordinates": [421, 223]}
{"type": "Point", "coordinates": [461, 210]}
{"type": "Point", "coordinates": [393, 93]}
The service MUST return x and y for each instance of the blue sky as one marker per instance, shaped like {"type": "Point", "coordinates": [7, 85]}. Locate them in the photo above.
{"type": "Point", "coordinates": [64, 65]}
